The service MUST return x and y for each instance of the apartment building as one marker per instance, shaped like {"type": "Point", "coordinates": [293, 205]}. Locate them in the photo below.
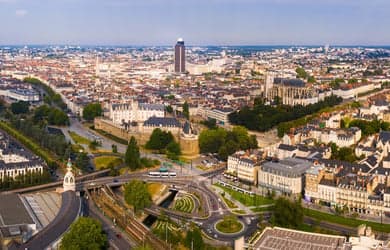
{"type": "Point", "coordinates": [244, 165]}
{"type": "Point", "coordinates": [285, 176]}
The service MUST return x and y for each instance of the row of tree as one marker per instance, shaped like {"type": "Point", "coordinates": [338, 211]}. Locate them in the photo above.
{"type": "Point", "coordinates": [50, 97]}
{"type": "Point", "coordinates": [224, 142]}
{"type": "Point", "coordinates": [52, 142]}
{"type": "Point", "coordinates": [31, 178]}
{"type": "Point", "coordinates": [264, 117]}
{"type": "Point", "coordinates": [52, 115]}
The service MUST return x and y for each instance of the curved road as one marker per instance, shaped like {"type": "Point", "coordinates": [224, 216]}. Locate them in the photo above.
{"type": "Point", "coordinates": [69, 210]}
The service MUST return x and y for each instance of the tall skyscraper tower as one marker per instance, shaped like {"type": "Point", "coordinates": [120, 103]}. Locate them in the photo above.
{"type": "Point", "coordinates": [180, 56]}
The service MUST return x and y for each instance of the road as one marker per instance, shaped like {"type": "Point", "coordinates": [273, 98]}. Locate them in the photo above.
{"type": "Point", "coordinates": [69, 210]}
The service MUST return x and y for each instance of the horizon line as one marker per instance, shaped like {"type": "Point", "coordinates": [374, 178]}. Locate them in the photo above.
{"type": "Point", "coordinates": [198, 45]}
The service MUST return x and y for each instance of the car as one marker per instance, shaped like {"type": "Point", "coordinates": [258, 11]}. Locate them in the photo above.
{"type": "Point", "coordinates": [118, 235]}
{"type": "Point", "coordinates": [115, 180]}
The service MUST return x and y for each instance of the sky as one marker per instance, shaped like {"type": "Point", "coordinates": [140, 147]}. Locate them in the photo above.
{"type": "Point", "coordinates": [198, 22]}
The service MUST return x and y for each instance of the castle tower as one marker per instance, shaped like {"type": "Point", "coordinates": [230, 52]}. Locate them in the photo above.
{"type": "Point", "coordinates": [69, 179]}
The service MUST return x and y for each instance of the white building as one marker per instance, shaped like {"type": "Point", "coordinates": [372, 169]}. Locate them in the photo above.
{"type": "Point", "coordinates": [244, 166]}
{"type": "Point", "coordinates": [221, 115]}
{"type": "Point", "coordinates": [135, 112]}
{"type": "Point", "coordinates": [27, 95]}
{"type": "Point", "coordinates": [285, 176]}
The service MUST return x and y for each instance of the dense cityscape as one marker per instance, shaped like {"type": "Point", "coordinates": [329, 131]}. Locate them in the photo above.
{"type": "Point", "coordinates": [186, 146]}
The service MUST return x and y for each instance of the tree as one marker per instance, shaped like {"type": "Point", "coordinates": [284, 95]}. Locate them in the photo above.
{"type": "Point", "coordinates": [169, 109]}
{"type": "Point", "coordinates": [186, 111]}
{"type": "Point", "coordinates": [85, 233]}
{"type": "Point", "coordinates": [94, 144]}
{"type": "Point", "coordinates": [301, 73]}
{"type": "Point", "coordinates": [114, 148]}
{"type": "Point", "coordinates": [132, 155]}
{"type": "Point", "coordinates": [53, 116]}
{"type": "Point", "coordinates": [225, 142]}
{"type": "Point", "coordinates": [137, 194]}
{"type": "Point", "coordinates": [311, 79]}
{"type": "Point", "coordinates": [20, 107]}
{"type": "Point", "coordinates": [159, 140]}
{"type": "Point", "coordinates": [82, 161]}
{"type": "Point", "coordinates": [194, 239]}
{"type": "Point", "coordinates": [287, 213]}
{"type": "Point", "coordinates": [91, 111]}
{"type": "Point", "coordinates": [173, 150]}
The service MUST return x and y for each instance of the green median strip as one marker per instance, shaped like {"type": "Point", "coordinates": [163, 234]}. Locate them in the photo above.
{"type": "Point", "coordinates": [34, 147]}
{"type": "Point", "coordinates": [350, 222]}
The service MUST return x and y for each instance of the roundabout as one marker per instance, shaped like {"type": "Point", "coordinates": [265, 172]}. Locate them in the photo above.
{"type": "Point", "coordinates": [229, 225]}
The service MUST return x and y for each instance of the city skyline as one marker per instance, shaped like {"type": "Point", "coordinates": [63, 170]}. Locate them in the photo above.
{"type": "Point", "coordinates": [217, 22]}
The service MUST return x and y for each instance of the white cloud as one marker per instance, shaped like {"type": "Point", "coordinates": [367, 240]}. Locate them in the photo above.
{"type": "Point", "coordinates": [21, 13]}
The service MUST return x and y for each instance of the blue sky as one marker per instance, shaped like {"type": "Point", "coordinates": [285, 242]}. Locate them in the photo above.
{"type": "Point", "coordinates": [199, 22]}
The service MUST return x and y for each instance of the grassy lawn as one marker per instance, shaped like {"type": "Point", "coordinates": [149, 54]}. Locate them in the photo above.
{"type": "Point", "coordinates": [316, 229]}
{"type": "Point", "coordinates": [102, 162]}
{"type": "Point", "coordinates": [184, 204]}
{"type": "Point", "coordinates": [345, 221]}
{"type": "Point", "coordinates": [229, 224]}
{"type": "Point", "coordinates": [262, 209]}
{"type": "Point", "coordinates": [246, 199]}
{"type": "Point", "coordinates": [229, 203]}
{"type": "Point", "coordinates": [112, 137]}
{"type": "Point", "coordinates": [77, 147]}
{"type": "Point", "coordinates": [78, 138]}
{"type": "Point", "coordinates": [156, 189]}
{"type": "Point", "coordinates": [239, 211]}
{"type": "Point", "coordinates": [203, 168]}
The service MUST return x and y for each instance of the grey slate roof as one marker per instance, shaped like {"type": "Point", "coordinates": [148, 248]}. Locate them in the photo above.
{"type": "Point", "coordinates": [13, 211]}
{"type": "Point", "coordinates": [162, 122]}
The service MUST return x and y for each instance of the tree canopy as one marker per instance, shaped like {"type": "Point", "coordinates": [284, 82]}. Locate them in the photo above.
{"type": "Point", "coordinates": [159, 140]}
{"type": "Point", "coordinates": [173, 150]}
{"type": "Point", "coordinates": [186, 110]}
{"type": "Point", "coordinates": [287, 213]}
{"type": "Point", "coordinates": [91, 111]}
{"type": "Point", "coordinates": [20, 107]}
{"type": "Point", "coordinates": [53, 116]}
{"type": "Point", "coordinates": [369, 127]}
{"type": "Point", "coordinates": [264, 117]}
{"type": "Point", "coordinates": [132, 155]}
{"type": "Point", "coordinates": [194, 239]}
{"type": "Point", "coordinates": [226, 142]}
{"type": "Point", "coordinates": [136, 194]}
{"type": "Point", "coordinates": [85, 233]}
{"type": "Point", "coordinates": [301, 73]}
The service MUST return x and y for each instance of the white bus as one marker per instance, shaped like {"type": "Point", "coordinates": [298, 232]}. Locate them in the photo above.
{"type": "Point", "coordinates": [162, 174]}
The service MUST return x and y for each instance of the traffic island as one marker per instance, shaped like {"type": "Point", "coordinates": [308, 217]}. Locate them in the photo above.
{"type": "Point", "coordinates": [229, 225]}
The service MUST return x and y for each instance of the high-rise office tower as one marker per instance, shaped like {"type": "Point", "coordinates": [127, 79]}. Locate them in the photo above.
{"type": "Point", "coordinates": [180, 56]}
